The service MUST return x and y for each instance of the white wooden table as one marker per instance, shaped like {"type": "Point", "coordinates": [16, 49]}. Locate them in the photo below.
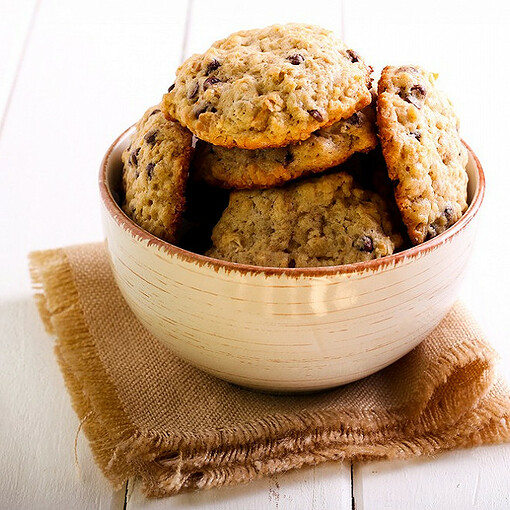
{"type": "Point", "coordinates": [73, 75]}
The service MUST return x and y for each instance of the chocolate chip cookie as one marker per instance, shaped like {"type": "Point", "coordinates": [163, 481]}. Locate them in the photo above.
{"type": "Point", "coordinates": [319, 221]}
{"type": "Point", "coordinates": [268, 87]}
{"type": "Point", "coordinates": [423, 150]}
{"type": "Point", "coordinates": [263, 168]}
{"type": "Point", "coordinates": [155, 172]}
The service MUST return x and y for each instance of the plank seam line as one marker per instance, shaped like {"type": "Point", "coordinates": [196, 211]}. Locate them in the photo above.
{"type": "Point", "coordinates": [353, 499]}
{"type": "Point", "coordinates": [19, 64]}
{"type": "Point", "coordinates": [126, 492]}
{"type": "Point", "coordinates": [187, 25]}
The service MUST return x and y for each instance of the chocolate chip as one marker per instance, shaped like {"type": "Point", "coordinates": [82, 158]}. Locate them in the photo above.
{"type": "Point", "coordinates": [448, 213]}
{"type": "Point", "coordinates": [212, 66]}
{"type": "Point", "coordinates": [201, 109]}
{"type": "Point", "coordinates": [150, 137]}
{"type": "Point", "coordinates": [292, 263]}
{"type": "Point", "coordinates": [355, 57]}
{"type": "Point", "coordinates": [354, 120]}
{"type": "Point", "coordinates": [129, 148]}
{"type": "Point", "coordinates": [416, 95]}
{"type": "Point", "coordinates": [210, 82]}
{"type": "Point", "coordinates": [317, 115]}
{"type": "Point", "coordinates": [205, 107]}
{"type": "Point", "coordinates": [431, 232]}
{"type": "Point", "coordinates": [365, 243]}
{"type": "Point", "coordinates": [296, 59]}
{"type": "Point", "coordinates": [134, 157]}
{"type": "Point", "coordinates": [150, 170]}
{"type": "Point", "coordinates": [418, 91]}
{"type": "Point", "coordinates": [154, 112]}
{"type": "Point", "coordinates": [289, 157]}
{"type": "Point", "coordinates": [193, 91]}
{"type": "Point", "coordinates": [171, 87]}
{"type": "Point", "coordinates": [416, 134]}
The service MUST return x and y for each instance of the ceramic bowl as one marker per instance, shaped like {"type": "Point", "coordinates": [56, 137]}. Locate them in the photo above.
{"type": "Point", "coordinates": [285, 330]}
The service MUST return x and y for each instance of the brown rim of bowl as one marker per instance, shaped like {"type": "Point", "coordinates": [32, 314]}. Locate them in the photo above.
{"type": "Point", "coordinates": [125, 222]}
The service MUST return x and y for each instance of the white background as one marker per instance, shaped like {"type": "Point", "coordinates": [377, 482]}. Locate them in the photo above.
{"type": "Point", "coordinates": [73, 75]}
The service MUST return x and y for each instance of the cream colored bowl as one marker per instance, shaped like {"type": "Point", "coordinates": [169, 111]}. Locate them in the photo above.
{"type": "Point", "coordinates": [285, 329]}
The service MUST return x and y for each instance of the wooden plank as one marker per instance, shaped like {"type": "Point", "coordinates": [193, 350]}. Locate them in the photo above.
{"type": "Point", "coordinates": [459, 479]}
{"type": "Point", "coordinates": [320, 487]}
{"type": "Point", "coordinates": [465, 47]}
{"type": "Point", "coordinates": [38, 425]}
{"type": "Point", "coordinates": [324, 486]}
{"type": "Point", "coordinates": [89, 70]}
{"type": "Point", "coordinates": [15, 23]}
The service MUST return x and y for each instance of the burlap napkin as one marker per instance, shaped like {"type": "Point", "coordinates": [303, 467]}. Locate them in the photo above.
{"type": "Point", "coordinates": [148, 414]}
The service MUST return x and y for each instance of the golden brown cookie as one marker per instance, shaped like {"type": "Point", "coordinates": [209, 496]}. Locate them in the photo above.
{"type": "Point", "coordinates": [320, 221]}
{"type": "Point", "coordinates": [264, 168]}
{"type": "Point", "coordinates": [423, 150]}
{"type": "Point", "coordinates": [155, 172]}
{"type": "Point", "coordinates": [268, 87]}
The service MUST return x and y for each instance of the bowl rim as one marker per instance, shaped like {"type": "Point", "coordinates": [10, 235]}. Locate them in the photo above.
{"type": "Point", "coordinates": [123, 221]}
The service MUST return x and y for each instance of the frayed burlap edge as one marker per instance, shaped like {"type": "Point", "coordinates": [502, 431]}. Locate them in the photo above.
{"type": "Point", "coordinates": [104, 421]}
{"type": "Point", "coordinates": [169, 464]}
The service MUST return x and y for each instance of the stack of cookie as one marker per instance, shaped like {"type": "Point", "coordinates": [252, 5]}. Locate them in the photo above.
{"type": "Point", "coordinates": [267, 109]}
